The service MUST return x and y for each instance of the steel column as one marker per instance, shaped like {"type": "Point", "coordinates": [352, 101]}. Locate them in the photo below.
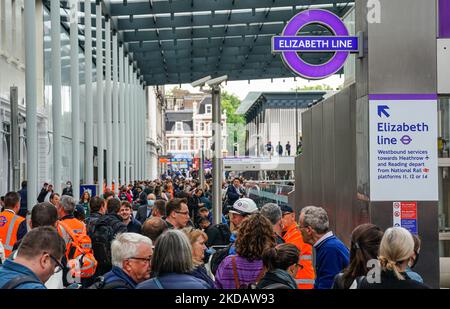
{"type": "Point", "coordinates": [217, 158]}
{"type": "Point", "coordinates": [89, 131]}
{"type": "Point", "coordinates": [121, 116]}
{"type": "Point", "coordinates": [108, 112]}
{"type": "Point", "coordinates": [115, 114]}
{"type": "Point", "coordinates": [100, 123]}
{"type": "Point", "coordinates": [30, 99]}
{"type": "Point", "coordinates": [56, 92]}
{"type": "Point", "coordinates": [127, 121]}
{"type": "Point", "coordinates": [75, 98]}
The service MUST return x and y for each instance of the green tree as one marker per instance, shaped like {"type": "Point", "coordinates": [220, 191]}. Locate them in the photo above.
{"type": "Point", "coordinates": [235, 122]}
{"type": "Point", "coordinates": [317, 87]}
{"type": "Point", "coordinates": [230, 103]}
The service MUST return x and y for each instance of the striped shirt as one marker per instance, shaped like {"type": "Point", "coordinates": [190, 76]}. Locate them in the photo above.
{"type": "Point", "coordinates": [248, 272]}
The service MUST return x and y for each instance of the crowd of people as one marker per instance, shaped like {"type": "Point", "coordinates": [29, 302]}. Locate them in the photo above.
{"type": "Point", "coordinates": [160, 235]}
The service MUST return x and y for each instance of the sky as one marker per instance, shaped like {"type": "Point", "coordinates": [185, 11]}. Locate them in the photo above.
{"type": "Point", "coordinates": [242, 88]}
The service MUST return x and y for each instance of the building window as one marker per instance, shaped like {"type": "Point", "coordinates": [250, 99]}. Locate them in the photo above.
{"type": "Point", "coordinates": [185, 144]}
{"type": "Point", "coordinates": [179, 126]}
{"type": "Point", "coordinates": [173, 144]}
{"type": "Point", "coordinates": [208, 108]}
{"type": "Point", "coordinates": [202, 126]}
{"type": "Point", "coordinates": [202, 144]}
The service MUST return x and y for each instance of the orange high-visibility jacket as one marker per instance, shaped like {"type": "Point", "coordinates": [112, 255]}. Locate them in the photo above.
{"type": "Point", "coordinates": [9, 225]}
{"type": "Point", "coordinates": [305, 276]}
{"type": "Point", "coordinates": [76, 225]}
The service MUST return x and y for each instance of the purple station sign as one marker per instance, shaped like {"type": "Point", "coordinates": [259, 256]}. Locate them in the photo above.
{"type": "Point", "coordinates": [314, 43]}
{"type": "Point", "coordinates": [289, 44]}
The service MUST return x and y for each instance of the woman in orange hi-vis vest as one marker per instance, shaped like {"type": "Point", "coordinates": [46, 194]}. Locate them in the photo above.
{"type": "Point", "coordinates": [292, 235]}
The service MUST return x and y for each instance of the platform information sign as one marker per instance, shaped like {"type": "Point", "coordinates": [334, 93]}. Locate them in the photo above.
{"type": "Point", "coordinates": [403, 147]}
{"type": "Point", "coordinates": [405, 215]}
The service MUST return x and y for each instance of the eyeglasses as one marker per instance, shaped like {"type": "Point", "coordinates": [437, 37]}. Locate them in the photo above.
{"type": "Point", "coordinates": [59, 267]}
{"type": "Point", "coordinates": [185, 213]}
{"type": "Point", "coordinates": [146, 260]}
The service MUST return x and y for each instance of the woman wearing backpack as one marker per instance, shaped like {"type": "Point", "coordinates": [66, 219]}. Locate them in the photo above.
{"type": "Point", "coordinates": [282, 263]}
{"type": "Point", "coordinates": [246, 267]}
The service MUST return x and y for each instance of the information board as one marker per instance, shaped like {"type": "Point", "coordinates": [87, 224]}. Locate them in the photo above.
{"type": "Point", "coordinates": [403, 147]}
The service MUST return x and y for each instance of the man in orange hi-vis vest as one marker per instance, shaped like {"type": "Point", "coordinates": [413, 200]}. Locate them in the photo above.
{"type": "Point", "coordinates": [12, 226]}
{"type": "Point", "coordinates": [292, 235]}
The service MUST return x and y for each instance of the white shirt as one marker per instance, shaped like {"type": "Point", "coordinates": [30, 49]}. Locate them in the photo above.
{"type": "Point", "coordinates": [323, 238]}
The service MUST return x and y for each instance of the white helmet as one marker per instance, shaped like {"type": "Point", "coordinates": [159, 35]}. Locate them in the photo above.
{"type": "Point", "coordinates": [244, 206]}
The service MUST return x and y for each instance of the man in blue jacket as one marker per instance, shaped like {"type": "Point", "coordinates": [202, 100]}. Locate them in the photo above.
{"type": "Point", "coordinates": [131, 259]}
{"type": "Point", "coordinates": [331, 255]}
{"type": "Point", "coordinates": [38, 258]}
{"type": "Point", "coordinates": [234, 192]}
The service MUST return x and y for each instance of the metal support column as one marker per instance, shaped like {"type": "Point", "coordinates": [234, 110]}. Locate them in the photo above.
{"type": "Point", "coordinates": [201, 169]}
{"type": "Point", "coordinates": [142, 131]}
{"type": "Point", "coordinates": [127, 121]}
{"type": "Point", "coordinates": [56, 92]}
{"type": "Point", "coordinates": [89, 131]}
{"type": "Point", "coordinates": [115, 114]}
{"type": "Point", "coordinates": [121, 116]}
{"type": "Point", "coordinates": [108, 94]}
{"type": "Point", "coordinates": [133, 135]}
{"type": "Point", "coordinates": [133, 131]}
{"type": "Point", "coordinates": [75, 98]}
{"type": "Point", "coordinates": [217, 158]}
{"type": "Point", "coordinates": [130, 123]}
{"type": "Point", "coordinates": [15, 137]}
{"type": "Point", "coordinates": [100, 123]}
{"type": "Point", "coordinates": [30, 99]}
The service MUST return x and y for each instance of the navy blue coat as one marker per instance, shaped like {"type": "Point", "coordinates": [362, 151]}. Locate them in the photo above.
{"type": "Point", "coordinates": [174, 281]}
{"type": "Point", "coordinates": [332, 256]}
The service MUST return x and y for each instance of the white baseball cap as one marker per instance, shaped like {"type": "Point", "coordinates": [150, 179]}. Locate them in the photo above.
{"type": "Point", "coordinates": [244, 206]}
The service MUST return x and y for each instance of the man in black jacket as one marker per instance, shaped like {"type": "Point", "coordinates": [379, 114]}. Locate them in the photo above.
{"type": "Point", "coordinates": [234, 193]}
{"type": "Point", "coordinates": [105, 230]}
{"type": "Point", "coordinates": [97, 206]}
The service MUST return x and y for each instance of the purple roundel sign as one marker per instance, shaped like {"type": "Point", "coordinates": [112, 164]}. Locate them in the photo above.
{"type": "Point", "coordinates": [288, 44]}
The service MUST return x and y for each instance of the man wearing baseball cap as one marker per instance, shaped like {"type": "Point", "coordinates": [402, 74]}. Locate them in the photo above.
{"type": "Point", "coordinates": [242, 208]}
{"type": "Point", "coordinates": [291, 234]}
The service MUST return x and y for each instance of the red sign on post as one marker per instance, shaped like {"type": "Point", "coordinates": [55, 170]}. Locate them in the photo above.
{"type": "Point", "coordinates": [405, 215]}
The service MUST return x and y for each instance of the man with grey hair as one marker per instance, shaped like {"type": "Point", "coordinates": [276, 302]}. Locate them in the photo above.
{"type": "Point", "coordinates": [67, 220]}
{"type": "Point", "coordinates": [273, 212]}
{"type": "Point", "coordinates": [331, 255]}
{"type": "Point", "coordinates": [131, 259]}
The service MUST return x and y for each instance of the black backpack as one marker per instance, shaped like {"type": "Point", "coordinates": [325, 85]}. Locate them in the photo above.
{"type": "Point", "coordinates": [218, 257]}
{"type": "Point", "coordinates": [224, 232]}
{"type": "Point", "coordinates": [102, 235]}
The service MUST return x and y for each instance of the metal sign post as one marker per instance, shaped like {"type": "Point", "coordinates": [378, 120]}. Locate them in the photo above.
{"type": "Point", "coordinates": [217, 170]}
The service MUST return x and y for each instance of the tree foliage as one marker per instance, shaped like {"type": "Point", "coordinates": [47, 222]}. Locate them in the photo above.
{"type": "Point", "coordinates": [230, 103]}
{"type": "Point", "coordinates": [317, 87]}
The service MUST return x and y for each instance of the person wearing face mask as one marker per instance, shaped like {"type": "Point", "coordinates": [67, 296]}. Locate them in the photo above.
{"type": "Point", "coordinates": [38, 258]}
{"type": "Point", "coordinates": [68, 189]}
{"type": "Point", "coordinates": [145, 211]}
{"type": "Point", "coordinates": [414, 259]}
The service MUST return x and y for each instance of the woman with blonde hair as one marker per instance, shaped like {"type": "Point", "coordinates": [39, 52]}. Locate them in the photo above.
{"type": "Point", "coordinates": [396, 250]}
{"type": "Point", "coordinates": [198, 238]}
